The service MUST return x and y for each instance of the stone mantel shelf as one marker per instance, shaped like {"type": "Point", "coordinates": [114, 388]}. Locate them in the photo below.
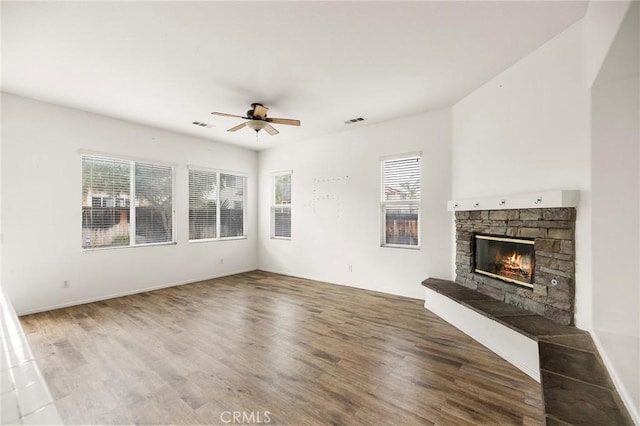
{"type": "Point", "coordinates": [531, 200]}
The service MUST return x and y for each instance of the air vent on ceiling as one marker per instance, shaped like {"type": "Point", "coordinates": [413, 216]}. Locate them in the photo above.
{"type": "Point", "coordinates": [201, 124]}
{"type": "Point", "coordinates": [355, 120]}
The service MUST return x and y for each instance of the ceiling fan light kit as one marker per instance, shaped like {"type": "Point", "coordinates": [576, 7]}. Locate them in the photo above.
{"type": "Point", "coordinates": [256, 125]}
{"type": "Point", "coordinates": [258, 120]}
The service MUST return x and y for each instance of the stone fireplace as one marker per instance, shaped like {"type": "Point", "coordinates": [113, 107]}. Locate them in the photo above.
{"type": "Point", "coordinates": [525, 257]}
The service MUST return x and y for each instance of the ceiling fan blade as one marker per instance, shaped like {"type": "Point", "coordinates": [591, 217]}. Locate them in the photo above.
{"type": "Point", "coordinates": [260, 111]}
{"type": "Point", "coordinates": [271, 130]}
{"type": "Point", "coordinates": [224, 114]}
{"type": "Point", "coordinates": [238, 127]}
{"type": "Point", "coordinates": [288, 121]}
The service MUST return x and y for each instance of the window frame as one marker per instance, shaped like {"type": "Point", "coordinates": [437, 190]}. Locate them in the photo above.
{"type": "Point", "coordinates": [218, 172]}
{"type": "Point", "coordinates": [275, 205]}
{"type": "Point", "coordinates": [386, 204]}
{"type": "Point", "coordinates": [132, 199]}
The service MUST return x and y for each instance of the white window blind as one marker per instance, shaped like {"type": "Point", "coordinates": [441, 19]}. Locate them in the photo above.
{"type": "Point", "coordinates": [203, 196]}
{"type": "Point", "coordinates": [154, 203]}
{"type": "Point", "coordinates": [281, 206]}
{"type": "Point", "coordinates": [216, 205]}
{"type": "Point", "coordinates": [400, 201]}
{"type": "Point", "coordinates": [108, 186]}
{"type": "Point", "coordinates": [231, 205]}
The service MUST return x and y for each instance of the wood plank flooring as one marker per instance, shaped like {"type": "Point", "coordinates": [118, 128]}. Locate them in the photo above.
{"type": "Point", "coordinates": [266, 348]}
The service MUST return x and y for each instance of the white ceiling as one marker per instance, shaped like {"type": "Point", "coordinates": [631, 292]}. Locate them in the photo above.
{"type": "Point", "coordinates": [166, 64]}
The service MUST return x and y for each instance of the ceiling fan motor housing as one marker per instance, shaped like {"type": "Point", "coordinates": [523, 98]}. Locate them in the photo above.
{"type": "Point", "coordinates": [252, 112]}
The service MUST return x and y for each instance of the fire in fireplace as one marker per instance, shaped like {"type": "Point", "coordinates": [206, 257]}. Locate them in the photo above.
{"type": "Point", "coordinates": [505, 258]}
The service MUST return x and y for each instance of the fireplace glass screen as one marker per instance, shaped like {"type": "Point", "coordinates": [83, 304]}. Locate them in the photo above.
{"type": "Point", "coordinates": [508, 259]}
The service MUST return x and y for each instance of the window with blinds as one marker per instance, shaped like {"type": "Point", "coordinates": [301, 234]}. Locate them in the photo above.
{"type": "Point", "coordinates": [400, 201]}
{"type": "Point", "coordinates": [108, 186]}
{"type": "Point", "coordinates": [231, 205]}
{"type": "Point", "coordinates": [216, 205]}
{"type": "Point", "coordinates": [153, 203]}
{"type": "Point", "coordinates": [281, 206]}
{"type": "Point", "coordinates": [203, 204]}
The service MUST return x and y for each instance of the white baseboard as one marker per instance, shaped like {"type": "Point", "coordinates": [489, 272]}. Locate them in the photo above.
{"type": "Point", "coordinates": [289, 274]}
{"type": "Point", "coordinates": [127, 293]}
{"type": "Point", "coordinates": [312, 278]}
{"type": "Point", "coordinates": [515, 348]}
{"type": "Point", "coordinates": [615, 377]}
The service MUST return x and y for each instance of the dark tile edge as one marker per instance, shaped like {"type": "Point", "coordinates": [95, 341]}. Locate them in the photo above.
{"type": "Point", "coordinates": [429, 283]}
{"type": "Point", "coordinates": [440, 286]}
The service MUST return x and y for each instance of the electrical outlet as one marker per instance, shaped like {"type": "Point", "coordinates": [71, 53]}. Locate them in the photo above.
{"type": "Point", "coordinates": [65, 284]}
{"type": "Point", "coordinates": [350, 268]}
{"type": "Point", "coordinates": [222, 261]}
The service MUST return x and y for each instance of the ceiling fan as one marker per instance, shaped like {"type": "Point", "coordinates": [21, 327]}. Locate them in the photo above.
{"type": "Point", "coordinates": [258, 120]}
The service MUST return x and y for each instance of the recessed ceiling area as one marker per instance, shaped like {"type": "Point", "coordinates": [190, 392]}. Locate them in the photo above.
{"type": "Point", "coordinates": [170, 64]}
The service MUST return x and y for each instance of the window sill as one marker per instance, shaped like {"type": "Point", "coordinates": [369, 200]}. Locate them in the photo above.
{"type": "Point", "coordinates": [90, 249]}
{"type": "Point", "coordinates": [215, 240]}
{"type": "Point", "coordinates": [400, 246]}
{"type": "Point", "coordinates": [281, 238]}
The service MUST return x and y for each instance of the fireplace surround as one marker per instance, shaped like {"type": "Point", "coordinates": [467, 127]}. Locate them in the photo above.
{"type": "Point", "coordinates": [552, 231]}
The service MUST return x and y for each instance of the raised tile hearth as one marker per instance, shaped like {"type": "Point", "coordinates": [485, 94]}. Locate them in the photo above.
{"type": "Point", "coordinates": [576, 387]}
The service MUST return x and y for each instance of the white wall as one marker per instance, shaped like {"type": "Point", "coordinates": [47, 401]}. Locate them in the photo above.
{"type": "Point", "coordinates": [527, 130]}
{"type": "Point", "coordinates": [616, 230]}
{"type": "Point", "coordinates": [601, 23]}
{"type": "Point", "coordinates": [1, 234]}
{"type": "Point", "coordinates": [41, 196]}
{"type": "Point", "coordinates": [336, 206]}
{"type": "Point", "coordinates": [616, 197]}
{"type": "Point", "coordinates": [615, 111]}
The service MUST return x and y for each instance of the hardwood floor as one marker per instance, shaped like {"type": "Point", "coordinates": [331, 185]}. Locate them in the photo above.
{"type": "Point", "coordinates": [266, 348]}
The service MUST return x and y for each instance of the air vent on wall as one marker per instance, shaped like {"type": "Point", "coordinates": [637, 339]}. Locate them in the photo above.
{"type": "Point", "coordinates": [355, 120]}
{"type": "Point", "coordinates": [201, 124]}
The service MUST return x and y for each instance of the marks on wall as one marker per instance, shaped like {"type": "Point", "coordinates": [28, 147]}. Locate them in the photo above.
{"type": "Point", "coordinates": [328, 196]}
